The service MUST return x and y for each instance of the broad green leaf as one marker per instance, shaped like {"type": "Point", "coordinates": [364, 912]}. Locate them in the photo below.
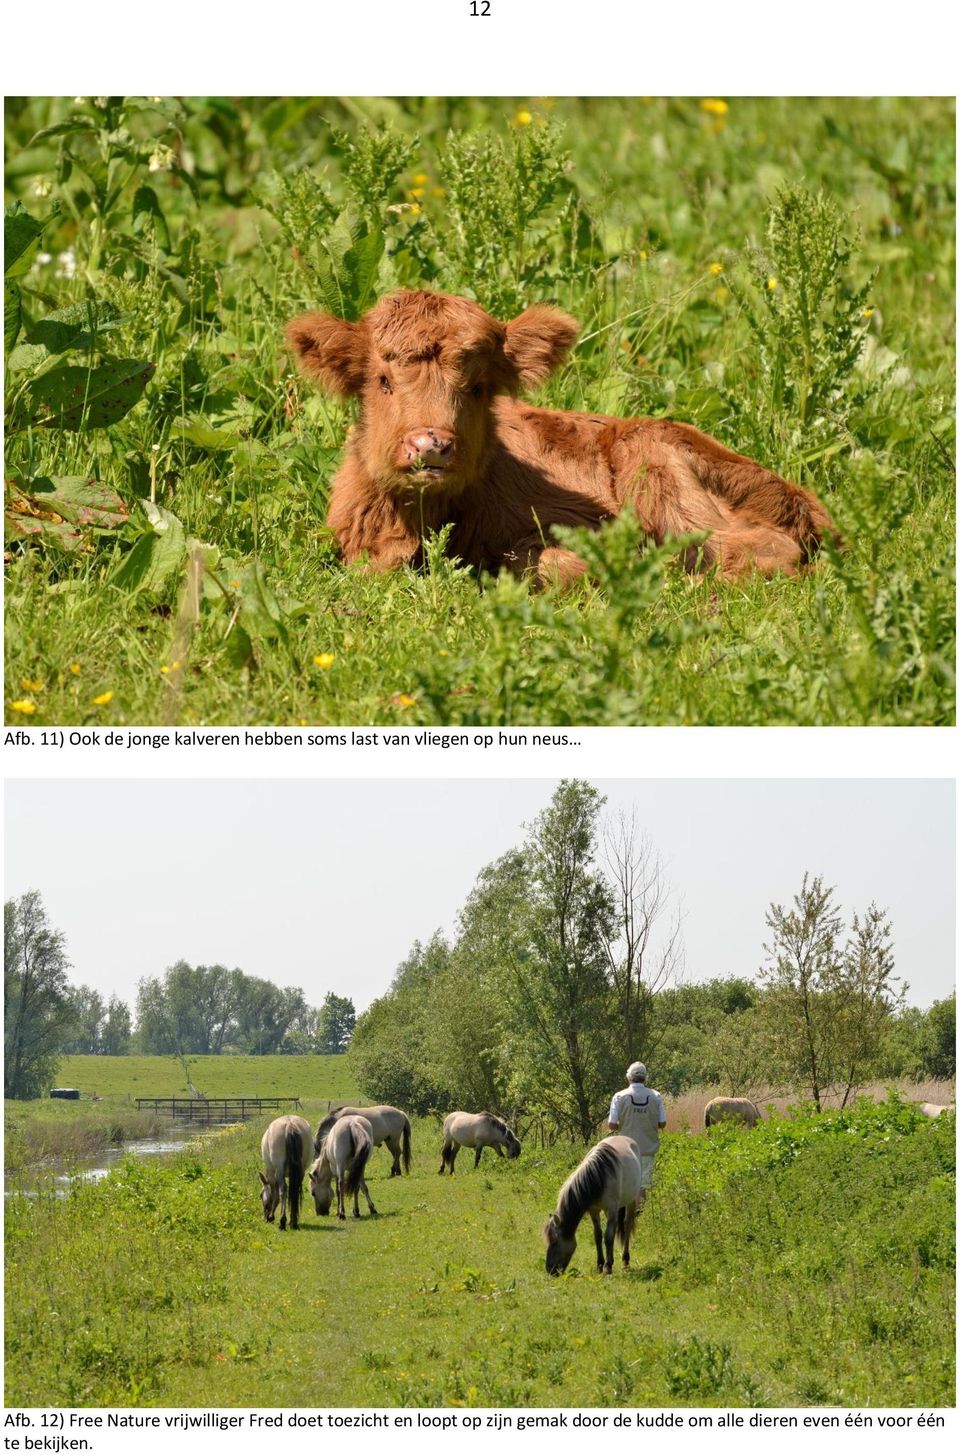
{"type": "Point", "coordinates": [79, 122]}
{"type": "Point", "coordinates": [21, 231]}
{"type": "Point", "coordinates": [199, 432]}
{"type": "Point", "coordinates": [78, 326]}
{"type": "Point", "coordinates": [12, 315]}
{"type": "Point", "coordinates": [76, 498]}
{"type": "Point", "coordinates": [157, 555]}
{"type": "Point", "coordinates": [260, 611]}
{"type": "Point", "coordinates": [27, 356]}
{"type": "Point", "coordinates": [147, 209]}
{"type": "Point", "coordinates": [30, 527]}
{"type": "Point", "coordinates": [77, 398]}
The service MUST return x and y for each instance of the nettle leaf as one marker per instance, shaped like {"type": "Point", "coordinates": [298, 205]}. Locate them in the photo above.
{"type": "Point", "coordinates": [157, 555]}
{"type": "Point", "coordinates": [78, 398]}
{"type": "Point", "coordinates": [76, 123]}
{"type": "Point", "coordinates": [203, 435]}
{"type": "Point", "coordinates": [77, 326]}
{"type": "Point", "coordinates": [21, 232]}
{"type": "Point", "coordinates": [12, 315]}
{"type": "Point", "coordinates": [75, 498]}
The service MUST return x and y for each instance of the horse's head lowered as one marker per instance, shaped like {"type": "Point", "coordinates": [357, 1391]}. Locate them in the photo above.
{"type": "Point", "coordinates": [321, 1185]}
{"type": "Point", "coordinates": [560, 1246]}
{"type": "Point", "coordinates": [269, 1197]}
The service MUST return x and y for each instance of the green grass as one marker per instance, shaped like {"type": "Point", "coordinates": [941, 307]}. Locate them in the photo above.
{"type": "Point", "coordinates": [36, 1130]}
{"type": "Point", "coordinates": [659, 194]}
{"type": "Point", "coordinates": [808, 1262]}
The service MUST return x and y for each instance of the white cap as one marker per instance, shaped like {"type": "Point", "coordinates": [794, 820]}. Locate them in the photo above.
{"type": "Point", "coordinates": [636, 1071]}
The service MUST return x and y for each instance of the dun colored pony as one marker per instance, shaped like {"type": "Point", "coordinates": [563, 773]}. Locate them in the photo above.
{"type": "Point", "coordinates": [475, 1129]}
{"type": "Point", "coordinates": [607, 1181]}
{"type": "Point", "coordinates": [285, 1148]}
{"type": "Point", "coordinates": [730, 1109]}
{"type": "Point", "coordinates": [933, 1108]}
{"type": "Point", "coordinates": [387, 1124]}
{"type": "Point", "coordinates": [346, 1152]}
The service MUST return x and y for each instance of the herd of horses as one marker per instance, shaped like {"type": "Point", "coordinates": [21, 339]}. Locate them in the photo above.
{"type": "Point", "coordinates": [606, 1183]}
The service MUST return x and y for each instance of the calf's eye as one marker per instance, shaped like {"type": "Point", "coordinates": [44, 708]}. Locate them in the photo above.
{"type": "Point", "coordinates": [385, 385]}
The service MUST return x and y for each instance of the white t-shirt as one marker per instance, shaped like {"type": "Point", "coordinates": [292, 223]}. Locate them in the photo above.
{"type": "Point", "coordinates": [637, 1112]}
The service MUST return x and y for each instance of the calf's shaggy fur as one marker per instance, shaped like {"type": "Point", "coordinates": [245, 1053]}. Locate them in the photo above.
{"type": "Point", "coordinates": [443, 439]}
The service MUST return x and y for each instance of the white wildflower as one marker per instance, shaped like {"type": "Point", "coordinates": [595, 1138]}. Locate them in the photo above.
{"type": "Point", "coordinates": [66, 264]}
{"type": "Point", "coordinates": [161, 158]}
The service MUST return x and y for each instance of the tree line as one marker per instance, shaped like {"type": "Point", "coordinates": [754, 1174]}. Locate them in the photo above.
{"type": "Point", "coordinates": [567, 963]}
{"type": "Point", "coordinates": [189, 1010]}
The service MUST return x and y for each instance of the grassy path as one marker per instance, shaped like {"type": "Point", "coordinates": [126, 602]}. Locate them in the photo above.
{"type": "Point", "coordinates": [798, 1264]}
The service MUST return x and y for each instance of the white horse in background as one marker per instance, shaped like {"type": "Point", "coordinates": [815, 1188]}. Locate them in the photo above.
{"type": "Point", "coordinates": [475, 1129]}
{"type": "Point", "coordinates": [346, 1152]}
{"type": "Point", "coordinates": [286, 1148]}
{"type": "Point", "coordinates": [608, 1181]}
{"type": "Point", "coordinates": [731, 1109]}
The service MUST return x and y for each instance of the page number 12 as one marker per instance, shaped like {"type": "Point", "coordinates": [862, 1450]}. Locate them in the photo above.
{"type": "Point", "coordinates": [479, 7]}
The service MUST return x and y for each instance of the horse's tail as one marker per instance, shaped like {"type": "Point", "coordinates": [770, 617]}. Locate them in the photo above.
{"type": "Point", "coordinates": [293, 1147]}
{"type": "Point", "coordinates": [406, 1144]}
{"type": "Point", "coordinates": [621, 1224]}
{"type": "Point", "coordinates": [361, 1156]}
{"type": "Point", "coordinates": [706, 1116]}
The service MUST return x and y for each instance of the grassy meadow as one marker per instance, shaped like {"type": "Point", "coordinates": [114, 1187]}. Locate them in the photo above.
{"type": "Point", "coordinates": [36, 1131]}
{"type": "Point", "coordinates": [807, 1262]}
{"type": "Point", "coordinates": [777, 271]}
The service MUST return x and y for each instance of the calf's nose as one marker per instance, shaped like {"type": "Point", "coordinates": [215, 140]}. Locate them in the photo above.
{"type": "Point", "coordinates": [428, 446]}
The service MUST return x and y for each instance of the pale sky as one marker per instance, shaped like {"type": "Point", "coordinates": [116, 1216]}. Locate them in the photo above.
{"type": "Point", "coordinates": [326, 884]}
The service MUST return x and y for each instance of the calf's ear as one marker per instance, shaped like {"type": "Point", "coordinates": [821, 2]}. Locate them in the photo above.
{"type": "Point", "coordinates": [330, 351]}
{"type": "Point", "coordinates": [537, 341]}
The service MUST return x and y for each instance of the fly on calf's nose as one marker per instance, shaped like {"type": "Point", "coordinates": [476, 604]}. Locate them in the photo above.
{"type": "Point", "coordinates": [428, 448]}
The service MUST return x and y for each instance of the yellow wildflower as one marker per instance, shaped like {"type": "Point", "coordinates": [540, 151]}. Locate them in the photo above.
{"type": "Point", "coordinates": [103, 699]}
{"type": "Point", "coordinates": [867, 313]}
{"type": "Point", "coordinates": [403, 699]}
{"type": "Point", "coordinates": [417, 192]}
{"type": "Point", "coordinates": [420, 179]}
{"type": "Point", "coordinates": [415, 208]}
{"type": "Point", "coordinates": [773, 284]}
{"type": "Point", "coordinates": [30, 684]}
{"type": "Point", "coordinates": [438, 191]}
{"type": "Point", "coordinates": [714, 106]}
{"type": "Point", "coordinates": [716, 269]}
{"type": "Point", "coordinates": [523, 118]}
{"type": "Point", "coordinates": [75, 668]}
{"type": "Point", "coordinates": [23, 704]}
{"type": "Point", "coordinates": [643, 255]}
{"type": "Point", "coordinates": [323, 660]}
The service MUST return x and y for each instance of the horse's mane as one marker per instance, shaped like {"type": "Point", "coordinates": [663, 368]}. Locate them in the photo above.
{"type": "Point", "coordinates": [497, 1121]}
{"type": "Point", "coordinates": [584, 1186]}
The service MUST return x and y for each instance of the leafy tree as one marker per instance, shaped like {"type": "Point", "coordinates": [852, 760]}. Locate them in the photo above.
{"type": "Point", "coordinates": [36, 1008]}
{"type": "Point", "coordinates": [83, 1031]}
{"type": "Point", "coordinates": [939, 1038]}
{"type": "Point", "coordinates": [562, 1038]}
{"type": "Point", "coordinates": [115, 1034]}
{"type": "Point", "coordinates": [336, 1019]}
{"type": "Point", "coordinates": [828, 1006]}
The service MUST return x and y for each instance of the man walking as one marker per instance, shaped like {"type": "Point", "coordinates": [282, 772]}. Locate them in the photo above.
{"type": "Point", "coordinates": [638, 1112]}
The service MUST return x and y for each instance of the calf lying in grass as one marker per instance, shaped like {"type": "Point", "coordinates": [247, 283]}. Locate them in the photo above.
{"type": "Point", "coordinates": [442, 440]}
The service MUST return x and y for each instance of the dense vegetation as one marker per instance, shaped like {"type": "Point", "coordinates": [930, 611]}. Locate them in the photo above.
{"type": "Point", "coordinates": [776, 271]}
{"type": "Point", "coordinates": [564, 968]}
{"type": "Point", "coordinates": [808, 1262]}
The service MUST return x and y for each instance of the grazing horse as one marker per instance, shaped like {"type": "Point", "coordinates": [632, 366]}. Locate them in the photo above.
{"type": "Point", "coordinates": [286, 1148]}
{"type": "Point", "coordinates": [346, 1152]}
{"type": "Point", "coordinates": [730, 1109]}
{"type": "Point", "coordinates": [475, 1129]}
{"type": "Point", "coordinates": [933, 1109]}
{"type": "Point", "coordinates": [607, 1180]}
{"type": "Point", "coordinates": [387, 1123]}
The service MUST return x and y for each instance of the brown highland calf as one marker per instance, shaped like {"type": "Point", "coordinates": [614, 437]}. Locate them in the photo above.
{"type": "Point", "coordinates": [442, 439]}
